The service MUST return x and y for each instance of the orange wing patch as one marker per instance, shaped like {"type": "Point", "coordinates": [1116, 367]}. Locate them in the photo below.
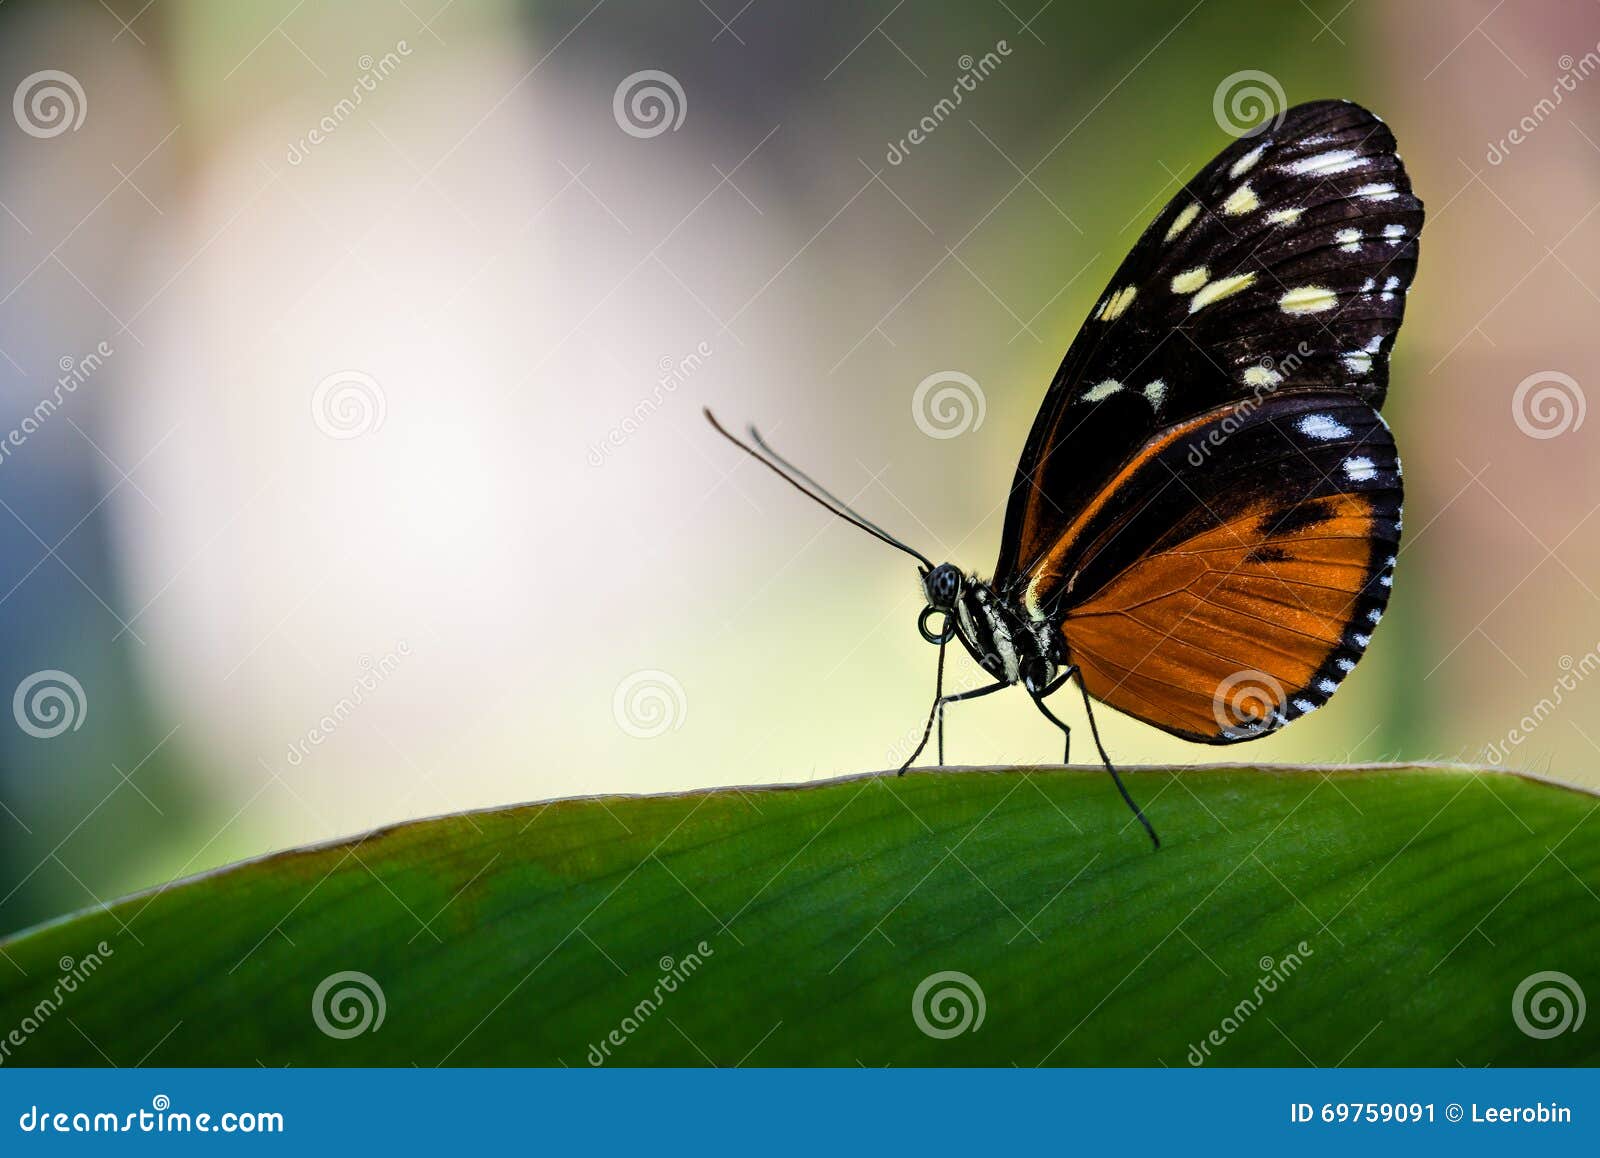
{"type": "Point", "coordinates": [1222, 637]}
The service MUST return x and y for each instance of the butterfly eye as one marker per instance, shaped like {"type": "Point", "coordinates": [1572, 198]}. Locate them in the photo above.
{"type": "Point", "coordinates": [943, 586]}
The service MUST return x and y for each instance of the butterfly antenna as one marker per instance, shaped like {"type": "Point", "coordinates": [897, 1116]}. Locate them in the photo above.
{"type": "Point", "coordinates": [1106, 760]}
{"type": "Point", "coordinates": [838, 503]}
{"type": "Point", "coordinates": [799, 480]}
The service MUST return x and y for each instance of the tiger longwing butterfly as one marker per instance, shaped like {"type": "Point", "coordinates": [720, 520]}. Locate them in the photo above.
{"type": "Point", "coordinates": [1205, 517]}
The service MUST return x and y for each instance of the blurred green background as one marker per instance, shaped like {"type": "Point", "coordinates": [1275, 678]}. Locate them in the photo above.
{"type": "Point", "coordinates": [380, 488]}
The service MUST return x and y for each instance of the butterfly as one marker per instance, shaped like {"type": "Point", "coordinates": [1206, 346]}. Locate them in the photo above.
{"type": "Point", "coordinates": [1204, 522]}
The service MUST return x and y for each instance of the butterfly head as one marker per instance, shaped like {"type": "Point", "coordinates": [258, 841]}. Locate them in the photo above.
{"type": "Point", "coordinates": [941, 586]}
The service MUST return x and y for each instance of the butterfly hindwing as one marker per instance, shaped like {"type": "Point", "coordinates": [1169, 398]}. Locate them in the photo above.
{"type": "Point", "coordinates": [1233, 575]}
{"type": "Point", "coordinates": [1280, 268]}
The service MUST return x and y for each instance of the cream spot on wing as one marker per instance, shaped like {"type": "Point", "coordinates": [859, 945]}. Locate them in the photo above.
{"type": "Point", "coordinates": [1376, 192]}
{"type": "Point", "coordinates": [1327, 164]}
{"type": "Point", "coordinates": [1190, 280]}
{"type": "Point", "coordinates": [1241, 200]}
{"type": "Point", "coordinates": [1117, 304]}
{"type": "Point", "coordinates": [1359, 469]}
{"type": "Point", "coordinates": [1307, 299]}
{"type": "Point", "coordinates": [1156, 392]}
{"type": "Point", "coordinates": [1247, 162]}
{"type": "Point", "coordinates": [1322, 427]}
{"type": "Point", "coordinates": [1393, 233]}
{"type": "Point", "coordinates": [1183, 220]}
{"type": "Point", "coordinates": [1102, 390]}
{"type": "Point", "coordinates": [1219, 289]}
{"type": "Point", "coordinates": [1261, 376]}
{"type": "Point", "coordinates": [1284, 216]}
{"type": "Point", "coordinates": [1349, 239]}
{"type": "Point", "coordinates": [1358, 363]}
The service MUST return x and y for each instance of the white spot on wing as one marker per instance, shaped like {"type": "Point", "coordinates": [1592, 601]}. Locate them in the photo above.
{"type": "Point", "coordinates": [1327, 164]}
{"type": "Point", "coordinates": [1183, 220]}
{"type": "Point", "coordinates": [1190, 280]}
{"type": "Point", "coordinates": [1241, 200]}
{"type": "Point", "coordinates": [1322, 427]}
{"type": "Point", "coordinates": [1263, 376]}
{"type": "Point", "coordinates": [1156, 392]}
{"type": "Point", "coordinates": [1308, 299]}
{"type": "Point", "coordinates": [1117, 304]}
{"type": "Point", "coordinates": [1102, 390]}
{"type": "Point", "coordinates": [1284, 216]}
{"type": "Point", "coordinates": [1359, 469]}
{"type": "Point", "coordinates": [1247, 162]}
{"type": "Point", "coordinates": [1219, 289]}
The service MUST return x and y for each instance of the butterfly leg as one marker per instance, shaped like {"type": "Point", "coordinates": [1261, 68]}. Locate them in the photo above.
{"type": "Point", "coordinates": [938, 713]}
{"type": "Point", "coordinates": [1038, 702]}
{"type": "Point", "coordinates": [1106, 760]}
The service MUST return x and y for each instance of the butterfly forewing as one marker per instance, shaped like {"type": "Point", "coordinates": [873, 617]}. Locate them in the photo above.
{"type": "Point", "coordinates": [1281, 267]}
{"type": "Point", "coordinates": [1208, 505]}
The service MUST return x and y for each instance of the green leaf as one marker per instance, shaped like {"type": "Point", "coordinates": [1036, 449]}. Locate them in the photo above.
{"type": "Point", "coordinates": [1367, 916]}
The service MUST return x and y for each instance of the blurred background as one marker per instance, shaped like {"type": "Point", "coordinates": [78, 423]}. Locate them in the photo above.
{"type": "Point", "coordinates": [351, 361]}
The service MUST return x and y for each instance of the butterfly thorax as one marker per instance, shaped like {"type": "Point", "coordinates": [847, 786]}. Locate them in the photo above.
{"type": "Point", "coordinates": [1002, 638]}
